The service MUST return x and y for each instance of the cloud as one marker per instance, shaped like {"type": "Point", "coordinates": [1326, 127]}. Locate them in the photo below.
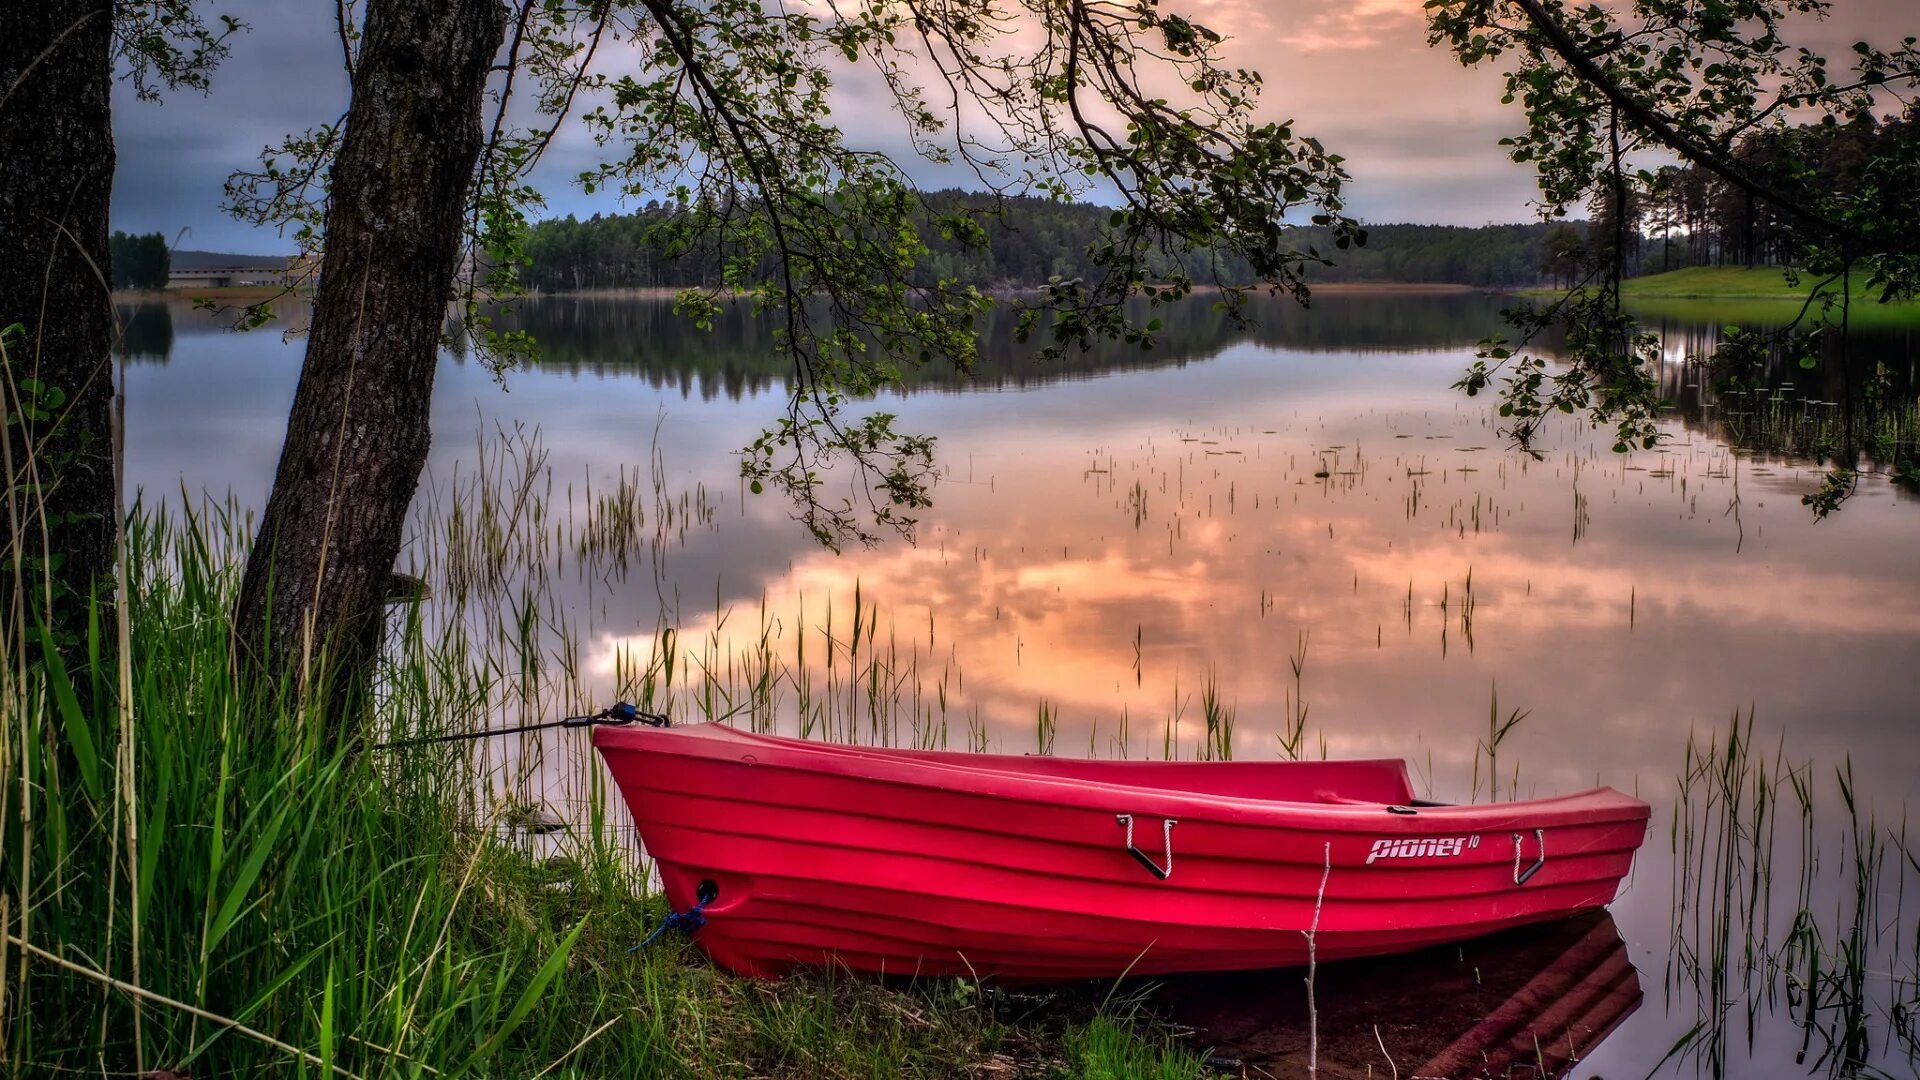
{"type": "Point", "coordinates": [1419, 131]}
{"type": "Point", "coordinates": [1358, 25]}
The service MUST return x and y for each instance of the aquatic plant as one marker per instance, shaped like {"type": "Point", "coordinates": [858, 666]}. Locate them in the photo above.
{"type": "Point", "coordinates": [1812, 934]}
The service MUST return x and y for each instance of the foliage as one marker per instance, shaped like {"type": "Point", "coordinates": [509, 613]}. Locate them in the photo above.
{"type": "Point", "coordinates": [1603, 87]}
{"type": "Point", "coordinates": [168, 44]}
{"type": "Point", "coordinates": [727, 111]}
{"type": "Point", "coordinates": [139, 262]}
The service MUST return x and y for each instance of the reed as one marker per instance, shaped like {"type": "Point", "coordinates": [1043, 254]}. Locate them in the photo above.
{"type": "Point", "coordinates": [1046, 727]}
{"type": "Point", "coordinates": [1498, 729]}
{"type": "Point", "coordinates": [1809, 931]}
{"type": "Point", "coordinates": [204, 880]}
{"type": "Point", "coordinates": [1293, 733]}
{"type": "Point", "coordinates": [1218, 716]}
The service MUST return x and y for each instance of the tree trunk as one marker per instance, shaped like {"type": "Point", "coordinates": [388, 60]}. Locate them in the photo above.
{"type": "Point", "coordinates": [56, 180]}
{"type": "Point", "coordinates": [358, 435]}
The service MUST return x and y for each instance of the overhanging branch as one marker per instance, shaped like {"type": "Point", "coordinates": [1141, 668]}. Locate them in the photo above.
{"type": "Point", "coordinates": [1563, 45]}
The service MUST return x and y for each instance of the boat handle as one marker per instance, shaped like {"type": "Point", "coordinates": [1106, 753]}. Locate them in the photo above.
{"type": "Point", "coordinates": [1521, 877]}
{"type": "Point", "coordinates": [1144, 859]}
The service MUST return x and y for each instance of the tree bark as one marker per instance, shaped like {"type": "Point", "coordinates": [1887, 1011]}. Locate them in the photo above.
{"type": "Point", "coordinates": [358, 434]}
{"type": "Point", "coordinates": [56, 182]}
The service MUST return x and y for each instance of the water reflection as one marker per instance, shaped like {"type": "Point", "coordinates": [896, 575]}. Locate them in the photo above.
{"type": "Point", "coordinates": [1532, 1002]}
{"type": "Point", "coordinates": [613, 336]}
{"type": "Point", "coordinates": [146, 332]}
{"type": "Point", "coordinates": [1858, 395]}
{"type": "Point", "coordinates": [1122, 539]}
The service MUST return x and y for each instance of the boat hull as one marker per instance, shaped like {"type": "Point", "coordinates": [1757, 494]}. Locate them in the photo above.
{"type": "Point", "coordinates": [920, 863]}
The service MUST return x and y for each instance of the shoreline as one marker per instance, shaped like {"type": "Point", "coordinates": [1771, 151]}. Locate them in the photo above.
{"type": "Point", "coordinates": [669, 292]}
{"type": "Point", "coordinates": [223, 292]}
{"type": "Point", "coordinates": [1431, 288]}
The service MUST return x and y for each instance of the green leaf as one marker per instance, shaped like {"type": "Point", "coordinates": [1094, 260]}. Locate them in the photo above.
{"type": "Point", "coordinates": [326, 1022]}
{"type": "Point", "coordinates": [79, 732]}
{"type": "Point", "coordinates": [237, 898]}
{"type": "Point", "coordinates": [528, 998]}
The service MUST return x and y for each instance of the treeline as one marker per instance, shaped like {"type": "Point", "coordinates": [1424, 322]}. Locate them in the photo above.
{"type": "Point", "coordinates": [1029, 241]}
{"type": "Point", "coordinates": [1691, 217]}
{"type": "Point", "coordinates": [1489, 255]}
{"type": "Point", "coordinates": [139, 262]}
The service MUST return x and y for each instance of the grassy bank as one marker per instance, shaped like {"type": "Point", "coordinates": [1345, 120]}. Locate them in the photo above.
{"type": "Point", "coordinates": [210, 884]}
{"type": "Point", "coordinates": [1748, 296]}
{"type": "Point", "coordinates": [1765, 313]}
{"type": "Point", "coordinates": [1723, 283]}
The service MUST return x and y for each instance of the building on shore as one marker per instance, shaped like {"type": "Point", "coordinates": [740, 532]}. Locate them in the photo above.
{"type": "Point", "coordinates": [214, 270]}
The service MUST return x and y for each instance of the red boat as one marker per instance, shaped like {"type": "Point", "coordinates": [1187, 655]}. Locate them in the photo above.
{"type": "Point", "coordinates": [1042, 868]}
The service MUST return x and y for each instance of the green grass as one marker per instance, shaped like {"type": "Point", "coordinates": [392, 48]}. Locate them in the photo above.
{"type": "Point", "coordinates": [1106, 1049]}
{"type": "Point", "coordinates": [1724, 283]}
{"type": "Point", "coordinates": [207, 882]}
{"type": "Point", "coordinates": [1766, 313]}
{"type": "Point", "coordinates": [1746, 296]}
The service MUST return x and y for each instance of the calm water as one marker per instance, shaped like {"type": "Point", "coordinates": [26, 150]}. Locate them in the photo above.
{"type": "Point", "coordinates": [1117, 536]}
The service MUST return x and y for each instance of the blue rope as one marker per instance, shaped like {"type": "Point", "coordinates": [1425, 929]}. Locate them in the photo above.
{"type": "Point", "coordinates": [688, 920]}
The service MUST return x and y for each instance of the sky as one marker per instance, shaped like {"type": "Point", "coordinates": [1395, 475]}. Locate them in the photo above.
{"type": "Point", "coordinates": [1421, 133]}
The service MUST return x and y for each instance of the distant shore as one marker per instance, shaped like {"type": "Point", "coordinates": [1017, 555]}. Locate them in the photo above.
{"type": "Point", "coordinates": [252, 293]}
{"type": "Point", "coordinates": [668, 292]}
{"type": "Point", "coordinates": [1399, 287]}
{"type": "Point", "coordinates": [244, 293]}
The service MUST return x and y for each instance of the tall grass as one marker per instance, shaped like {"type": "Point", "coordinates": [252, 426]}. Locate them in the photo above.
{"type": "Point", "coordinates": [213, 883]}
{"type": "Point", "coordinates": [262, 873]}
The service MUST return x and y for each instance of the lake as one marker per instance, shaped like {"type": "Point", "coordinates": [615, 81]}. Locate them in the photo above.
{"type": "Point", "coordinates": [1293, 539]}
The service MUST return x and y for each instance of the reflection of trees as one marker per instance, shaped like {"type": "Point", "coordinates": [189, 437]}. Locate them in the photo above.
{"type": "Point", "coordinates": [150, 327]}
{"type": "Point", "coordinates": [1775, 406]}
{"type": "Point", "coordinates": [615, 336]}
{"type": "Point", "coordinates": [1782, 409]}
{"type": "Point", "coordinates": [146, 332]}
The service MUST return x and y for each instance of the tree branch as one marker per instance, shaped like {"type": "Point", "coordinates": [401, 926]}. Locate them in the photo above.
{"type": "Point", "coordinates": [1569, 51]}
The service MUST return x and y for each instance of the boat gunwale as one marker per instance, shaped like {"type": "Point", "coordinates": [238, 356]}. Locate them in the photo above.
{"type": "Point", "coordinates": [1598, 806]}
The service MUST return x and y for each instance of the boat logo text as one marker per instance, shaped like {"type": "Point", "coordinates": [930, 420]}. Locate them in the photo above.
{"type": "Point", "coordinates": [1429, 847]}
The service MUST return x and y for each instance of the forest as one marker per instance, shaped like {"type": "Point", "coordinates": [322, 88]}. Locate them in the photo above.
{"type": "Point", "coordinates": [1689, 216]}
{"type": "Point", "coordinates": [139, 262]}
{"type": "Point", "coordinates": [1028, 241]}
{"type": "Point", "coordinates": [1685, 216]}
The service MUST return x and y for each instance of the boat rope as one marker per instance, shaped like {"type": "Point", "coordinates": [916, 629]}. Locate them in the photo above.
{"type": "Point", "coordinates": [1141, 857]}
{"type": "Point", "coordinates": [1521, 877]}
{"type": "Point", "coordinates": [619, 714]}
{"type": "Point", "coordinates": [689, 920]}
